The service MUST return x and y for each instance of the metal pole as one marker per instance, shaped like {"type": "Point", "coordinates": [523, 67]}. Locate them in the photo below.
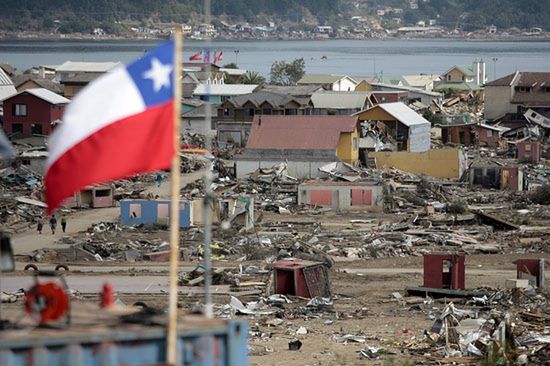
{"type": "Point", "coordinates": [172, 336]}
{"type": "Point", "coordinates": [208, 199]}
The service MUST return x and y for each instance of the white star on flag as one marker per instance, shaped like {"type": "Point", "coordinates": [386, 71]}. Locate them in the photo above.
{"type": "Point", "coordinates": [159, 73]}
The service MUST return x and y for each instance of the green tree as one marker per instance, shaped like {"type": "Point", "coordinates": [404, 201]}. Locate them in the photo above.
{"type": "Point", "coordinates": [284, 73]}
{"type": "Point", "coordinates": [231, 65]}
{"type": "Point", "coordinates": [252, 77]}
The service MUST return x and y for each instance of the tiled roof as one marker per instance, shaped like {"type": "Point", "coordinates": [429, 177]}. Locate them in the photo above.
{"type": "Point", "coordinates": [299, 132]}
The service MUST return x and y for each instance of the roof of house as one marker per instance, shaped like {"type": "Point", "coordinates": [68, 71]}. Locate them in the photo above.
{"type": "Point", "coordinates": [298, 132]}
{"type": "Point", "coordinates": [200, 111]}
{"type": "Point", "coordinates": [82, 78]}
{"type": "Point", "coordinates": [465, 69]}
{"type": "Point", "coordinates": [339, 99]}
{"type": "Point", "coordinates": [46, 95]}
{"type": "Point", "coordinates": [407, 88]}
{"type": "Point", "coordinates": [503, 81]}
{"type": "Point", "coordinates": [294, 90]}
{"type": "Point", "coordinates": [224, 89]}
{"type": "Point", "coordinates": [260, 97]}
{"type": "Point", "coordinates": [420, 80]}
{"type": "Point", "coordinates": [401, 113]}
{"type": "Point", "coordinates": [19, 80]}
{"type": "Point", "coordinates": [10, 70]}
{"type": "Point", "coordinates": [322, 79]}
{"type": "Point", "coordinates": [6, 85]}
{"type": "Point", "coordinates": [78, 66]}
{"type": "Point", "coordinates": [465, 85]}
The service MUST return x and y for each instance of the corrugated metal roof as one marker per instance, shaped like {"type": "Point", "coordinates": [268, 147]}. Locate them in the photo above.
{"type": "Point", "coordinates": [322, 78]}
{"type": "Point", "coordinates": [77, 66]}
{"type": "Point", "coordinates": [401, 113]}
{"type": "Point", "coordinates": [6, 86]}
{"type": "Point", "coordinates": [339, 100]}
{"type": "Point", "coordinates": [224, 89]}
{"type": "Point", "coordinates": [46, 95]}
{"type": "Point", "coordinates": [298, 132]}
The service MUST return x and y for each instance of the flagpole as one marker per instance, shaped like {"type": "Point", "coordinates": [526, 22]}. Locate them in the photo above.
{"type": "Point", "coordinates": [172, 336]}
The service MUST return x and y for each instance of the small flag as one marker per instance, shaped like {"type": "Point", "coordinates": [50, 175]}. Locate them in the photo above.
{"type": "Point", "coordinates": [206, 57]}
{"type": "Point", "coordinates": [196, 57]}
{"type": "Point", "coordinates": [120, 125]}
{"type": "Point", "coordinates": [218, 57]}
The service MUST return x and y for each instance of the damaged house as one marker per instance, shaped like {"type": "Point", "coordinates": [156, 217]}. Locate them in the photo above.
{"type": "Point", "coordinates": [399, 125]}
{"type": "Point", "coordinates": [235, 115]}
{"type": "Point", "coordinates": [305, 143]}
{"type": "Point", "coordinates": [509, 97]}
{"type": "Point", "coordinates": [345, 196]}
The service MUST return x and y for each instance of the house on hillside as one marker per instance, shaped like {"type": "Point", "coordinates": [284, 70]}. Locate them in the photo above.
{"type": "Point", "coordinates": [33, 111]}
{"type": "Point", "coordinates": [235, 115]}
{"type": "Point", "coordinates": [305, 143]}
{"type": "Point", "coordinates": [511, 96]}
{"type": "Point", "coordinates": [7, 88]}
{"type": "Point", "coordinates": [329, 81]}
{"type": "Point", "coordinates": [327, 102]}
{"type": "Point", "coordinates": [399, 125]}
{"type": "Point", "coordinates": [463, 78]}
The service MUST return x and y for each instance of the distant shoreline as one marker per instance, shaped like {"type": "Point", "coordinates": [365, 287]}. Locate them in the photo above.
{"type": "Point", "coordinates": [73, 38]}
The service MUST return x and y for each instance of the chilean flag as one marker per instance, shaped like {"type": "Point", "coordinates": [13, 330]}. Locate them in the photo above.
{"type": "Point", "coordinates": [121, 124]}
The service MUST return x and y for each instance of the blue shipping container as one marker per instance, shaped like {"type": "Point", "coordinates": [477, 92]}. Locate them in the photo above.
{"type": "Point", "coordinates": [201, 342]}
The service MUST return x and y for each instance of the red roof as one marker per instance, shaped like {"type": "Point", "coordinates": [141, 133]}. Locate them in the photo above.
{"type": "Point", "coordinates": [299, 132]}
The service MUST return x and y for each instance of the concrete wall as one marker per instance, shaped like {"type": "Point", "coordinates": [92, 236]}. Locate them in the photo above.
{"type": "Point", "coordinates": [342, 195]}
{"type": "Point", "coordinates": [497, 101]}
{"type": "Point", "coordinates": [298, 169]}
{"type": "Point", "coordinates": [445, 163]}
{"type": "Point", "coordinates": [196, 125]}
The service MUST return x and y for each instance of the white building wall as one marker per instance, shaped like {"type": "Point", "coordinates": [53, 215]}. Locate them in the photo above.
{"type": "Point", "coordinates": [419, 138]}
{"type": "Point", "coordinates": [343, 85]}
{"type": "Point", "coordinates": [497, 101]}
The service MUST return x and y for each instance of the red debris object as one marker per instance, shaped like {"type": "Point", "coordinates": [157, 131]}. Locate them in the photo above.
{"type": "Point", "coordinates": [46, 302]}
{"type": "Point", "coordinates": [107, 295]}
{"type": "Point", "coordinates": [301, 278]}
{"type": "Point", "coordinates": [445, 271]}
{"type": "Point", "coordinates": [532, 270]}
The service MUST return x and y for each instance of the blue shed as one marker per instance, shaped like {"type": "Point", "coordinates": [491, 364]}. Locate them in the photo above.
{"type": "Point", "coordinates": [140, 211]}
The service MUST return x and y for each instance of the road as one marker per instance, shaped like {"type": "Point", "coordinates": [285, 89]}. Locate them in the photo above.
{"type": "Point", "coordinates": [29, 240]}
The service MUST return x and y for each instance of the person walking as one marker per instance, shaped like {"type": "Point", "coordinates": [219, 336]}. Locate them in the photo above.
{"type": "Point", "coordinates": [63, 223]}
{"type": "Point", "coordinates": [40, 225]}
{"type": "Point", "coordinates": [53, 223]}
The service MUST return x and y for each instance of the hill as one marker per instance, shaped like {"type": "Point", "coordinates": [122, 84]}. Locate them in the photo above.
{"type": "Point", "coordinates": [69, 16]}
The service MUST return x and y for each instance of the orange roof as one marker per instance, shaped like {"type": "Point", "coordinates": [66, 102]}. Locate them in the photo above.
{"type": "Point", "coordinates": [299, 132]}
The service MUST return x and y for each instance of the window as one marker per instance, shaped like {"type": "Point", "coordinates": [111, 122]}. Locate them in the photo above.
{"type": "Point", "coordinates": [449, 77]}
{"type": "Point", "coordinates": [291, 111]}
{"type": "Point", "coordinates": [103, 193]}
{"type": "Point", "coordinates": [354, 143]}
{"type": "Point", "coordinates": [16, 128]}
{"type": "Point", "coordinates": [266, 111]}
{"type": "Point", "coordinates": [546, 89]}
{"type": "Point", "coordinates": [527, 148]}
{"type": "Point", "coordinates": [523, 89]}
{"type": "Point", "coordinates": [489, 133]}
{"type": "Point", "coordinates": [251, 111]}
{"type": "Point", "coordinates": [19, 110]}
{"type": "Point", "coordinates": [36, 129]}
{"type": "Point", "coordinates": [463, 77]}
{"type": "Point", "coordinates": [226, 112]}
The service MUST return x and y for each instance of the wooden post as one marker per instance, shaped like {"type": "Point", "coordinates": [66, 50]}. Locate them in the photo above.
{"type": "Point", "coordinates": [172, 335]}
